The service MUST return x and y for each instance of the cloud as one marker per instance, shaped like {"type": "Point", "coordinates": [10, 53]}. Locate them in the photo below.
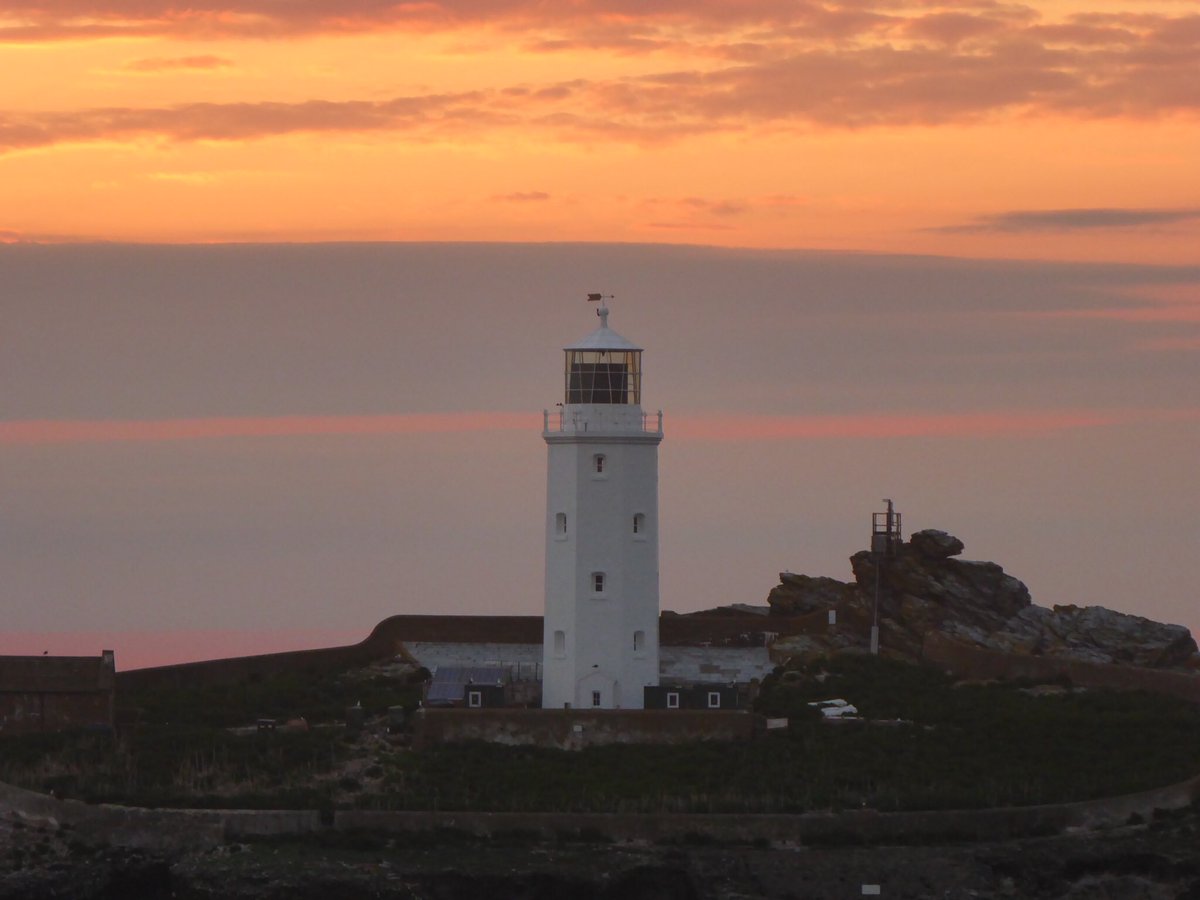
{"type": "Point", "coordinates": [1015, 423]}
{"type": "Point", "coordinates": [14, 236]}
{"type": "Point", "coordinates": [1135, 314]}
{"type": "Point", "coordinates": [195, 179]}
{"type": "Point", "coordinates": [522, 197]}
{"type": "Point", "coordinates": [241, 121]}
{"type": "Point", "coordinates": [175, 63]}
{"type": "Point", "coordinates": [1026, 220]}
{"type": "Point", "coordinates": [718, 427]}
{"type": "Point", "coordinates": [748, 65]}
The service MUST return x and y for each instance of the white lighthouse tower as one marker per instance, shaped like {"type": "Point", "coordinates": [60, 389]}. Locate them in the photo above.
{"type": "Point", "coordinates": [601, 622]}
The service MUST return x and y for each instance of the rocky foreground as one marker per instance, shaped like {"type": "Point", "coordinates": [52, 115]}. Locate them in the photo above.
{"type": "Point", "coordinates": [1141, 861]}
{"type": "Point", "coordinates": [924, 589]}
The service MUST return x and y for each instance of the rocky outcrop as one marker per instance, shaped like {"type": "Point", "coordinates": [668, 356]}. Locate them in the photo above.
{"type": "Point", "coordinates": [1095, 634]}
{"type": "Point", "coordinates": [799, 594]}
{"type": "Point", "coordinates": [923, 588]}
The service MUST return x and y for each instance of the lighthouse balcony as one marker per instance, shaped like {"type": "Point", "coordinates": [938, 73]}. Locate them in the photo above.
{"type": "Point", "coordinates": [601, 418]}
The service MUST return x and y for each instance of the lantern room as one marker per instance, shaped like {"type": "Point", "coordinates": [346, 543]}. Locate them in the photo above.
{"type": "Point", "coordinates": [603, 368]}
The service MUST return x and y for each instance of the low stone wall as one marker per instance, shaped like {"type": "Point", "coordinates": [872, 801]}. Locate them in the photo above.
{"type": "Point", "coordinates": [158, 829]}
{"type": "Point", "coordinates": [978, 663]}
{"type": "Point", "coordinates": [851, 827]}
{"type": "Point", "coordinates": [190, 829]}
{"type": "Point", "coordinates": [570, 729]}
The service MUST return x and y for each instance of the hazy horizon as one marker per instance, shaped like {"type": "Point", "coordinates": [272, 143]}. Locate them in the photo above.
{"type": "Point", "coordinates": [305, 439]}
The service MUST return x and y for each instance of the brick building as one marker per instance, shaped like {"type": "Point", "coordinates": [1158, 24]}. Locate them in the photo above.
{"type": "Point", "coordinates": [56, 693]}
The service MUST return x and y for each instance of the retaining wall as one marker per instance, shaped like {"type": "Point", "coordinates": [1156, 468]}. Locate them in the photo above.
{"type": "Point", "coordinates": [855, 827]}
{"type": "Point", "coordinates": [570, 729]}
{"type": "Point", "coordinates": [167, 829]}
{"type": "Point", "coordinates": [186, 829]}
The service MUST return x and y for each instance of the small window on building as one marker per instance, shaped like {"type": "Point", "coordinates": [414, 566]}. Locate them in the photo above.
{"type": "Point", "coordinates": [474, 699]}
{"type": "Point", "coordinates": [639, 524]}
{"type": "Point", "coordinates": [598, 463]}
{"type": "Point", "coordinates": [714, 699]}
{"type": "Point", "coordinates": [560, 643]}
{"type": "Point", "coordinates": [560, 524]}
{"type": "Point", "coordinates": [598, 582]}
{"type": "Point", "coordinates": [595, 698]}
{"type": "Point", "coordinates": [672, 700]}
{"type": "Point", "coordinates": [639, 641]}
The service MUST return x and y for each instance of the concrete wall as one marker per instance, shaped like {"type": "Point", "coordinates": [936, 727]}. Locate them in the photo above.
{"type": "Point", "coordinates": [575, 729]}
{"type": "Point", "coordinates": [978, 663]}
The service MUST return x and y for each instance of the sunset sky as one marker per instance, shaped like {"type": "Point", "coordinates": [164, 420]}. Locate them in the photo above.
{"type": "Point", "coordinates": [285, 285]}
{"type": "Point", "coordinates": [1064, 128]}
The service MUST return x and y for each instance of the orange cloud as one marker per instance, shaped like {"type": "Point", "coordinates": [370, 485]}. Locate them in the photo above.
{"type": "Point", "coordinates": [160, 64]}
{"type": "Point", "coordinates": [684, 427]}
{"type": "Point", "coordinates": [961, 425]}
{"type": "Point", "coordinates": [1149, 314]}
{"type": "Point", "coordinates": [522, 197]}
{"type": "Point", "coordinates": [872, 84]}
{"type": "Point", "coordinates": [1026, 220]}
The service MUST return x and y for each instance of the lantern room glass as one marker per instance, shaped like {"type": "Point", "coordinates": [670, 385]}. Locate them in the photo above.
{"type": "Point", "coordinates": [604, 376]}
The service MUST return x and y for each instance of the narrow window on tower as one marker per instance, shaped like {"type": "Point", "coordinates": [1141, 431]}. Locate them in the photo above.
{"type": "Point", "coordinates": [560, 525]}
{"type": "Point", "coordinates": [639, 526]}
{"type": "Point", "coordinates": [560, 643]}
{"type": "Point", "coordinates": [598, 463]}
{"type": "Point", "coordinates": [639, 642]}
{"type": "Point", "coordinates": [597, 582]}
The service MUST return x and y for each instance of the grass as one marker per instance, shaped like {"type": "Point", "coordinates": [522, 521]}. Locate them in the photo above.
{"type": "Point", "coordinates": [959, 747]}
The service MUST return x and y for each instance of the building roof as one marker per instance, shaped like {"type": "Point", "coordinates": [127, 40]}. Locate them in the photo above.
{"type": "Point", "coordinates": [603, 338]}
{"type": "Point", "coordinates": [449, 683]}
{"type": "Point", "coordinates": [55, 674]}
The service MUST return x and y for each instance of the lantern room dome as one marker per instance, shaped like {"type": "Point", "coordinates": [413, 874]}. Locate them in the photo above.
{"type": "Point", "coordinates": [603, 338]}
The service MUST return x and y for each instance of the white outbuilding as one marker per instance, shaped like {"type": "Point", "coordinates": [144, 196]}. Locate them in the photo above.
{"type": "Point", "coordinates": [600, 645]}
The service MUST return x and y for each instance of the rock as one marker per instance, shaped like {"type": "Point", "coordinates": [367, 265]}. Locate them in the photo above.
{"type": "Point", "coordinates": [1096, 634]}
{"type": "Point", "coordinates": [922, 589]}
{"type": "Point", "coordinates": [934, 544]}
{"type": "Point", "coordinates": [799, 594]}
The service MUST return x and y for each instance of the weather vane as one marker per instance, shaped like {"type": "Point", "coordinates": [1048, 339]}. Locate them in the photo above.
{"type": "Point", "coordinates": [602, 312]}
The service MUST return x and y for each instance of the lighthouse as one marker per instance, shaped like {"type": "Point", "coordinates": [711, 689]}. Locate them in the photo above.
{"type": "Point", "coordinates": [600, 641]}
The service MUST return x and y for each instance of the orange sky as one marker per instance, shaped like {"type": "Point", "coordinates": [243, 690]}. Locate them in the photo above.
{"type": "Point", "coordinates": [1059, 130]}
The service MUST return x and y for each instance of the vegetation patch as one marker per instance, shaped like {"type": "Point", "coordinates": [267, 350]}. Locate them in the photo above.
{"type": "Point", "coordinates": [925, 742]}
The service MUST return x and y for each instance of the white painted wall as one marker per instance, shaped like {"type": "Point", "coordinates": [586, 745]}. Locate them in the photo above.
{"type": "Point", "coordinates": [713, 665]}
{"type": "Point", "coordinates": [432, 654]}
{"type": "Point", "coordinates": [598, 651]}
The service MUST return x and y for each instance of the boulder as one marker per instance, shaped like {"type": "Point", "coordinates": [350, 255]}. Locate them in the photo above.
{"type": "Point", "coordinates": [934, 544]}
